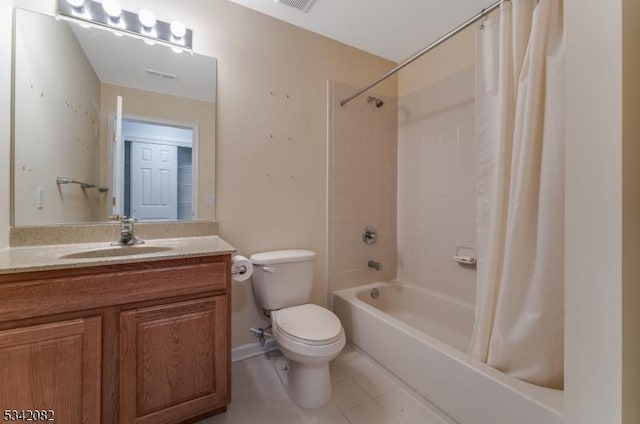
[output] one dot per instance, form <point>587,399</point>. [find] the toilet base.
<point>308,385</point>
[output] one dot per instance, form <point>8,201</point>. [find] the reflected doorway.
<point>158,171</point>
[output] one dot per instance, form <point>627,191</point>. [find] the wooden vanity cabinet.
<point>143,343</point>
<point>51,370</point>
<point>173,360</point>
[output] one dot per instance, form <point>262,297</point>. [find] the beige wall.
<point>5,120</point>
<point>170,109</point>
<point>56,127</point>
<point>272,193</point>
<point>602,208</point>
<point>363,151</point>
<point>631,212</point>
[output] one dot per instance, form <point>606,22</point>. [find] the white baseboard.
<point>250,350</point>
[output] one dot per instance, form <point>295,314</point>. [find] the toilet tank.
<point>282,278</point>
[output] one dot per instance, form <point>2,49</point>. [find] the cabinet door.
<point>173,361</point>
<point>53,367</point>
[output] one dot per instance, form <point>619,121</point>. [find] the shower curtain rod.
<point>427,49</point>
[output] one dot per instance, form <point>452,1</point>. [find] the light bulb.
<point>112,8</point>
<point>147,18</point>
<point>178,29</point>
<point>76,3</point>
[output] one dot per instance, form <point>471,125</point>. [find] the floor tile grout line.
<point>353,366</point>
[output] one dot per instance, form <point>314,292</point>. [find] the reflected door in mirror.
<point>154,182</point>
<point>158,177</point>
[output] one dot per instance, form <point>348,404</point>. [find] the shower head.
<point>375,100</point>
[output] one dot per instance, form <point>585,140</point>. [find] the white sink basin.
<point>115,251</point>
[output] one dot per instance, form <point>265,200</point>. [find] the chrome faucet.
<point>127,235</point>
<point>374,264</point>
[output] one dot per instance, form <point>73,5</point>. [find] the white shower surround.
<point>437,185</point>
<point>412,332</point>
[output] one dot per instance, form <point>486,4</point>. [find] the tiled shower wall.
<point>362,188</point>
<point>437,185</point>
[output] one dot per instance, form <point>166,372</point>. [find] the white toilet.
<point>308,335</point>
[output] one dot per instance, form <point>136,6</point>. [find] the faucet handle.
<point>127,235</point>
<point>127,222</point>
<point>369,235</point>
<point>126,228</point>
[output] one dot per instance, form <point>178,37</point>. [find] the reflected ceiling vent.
<point>303,5</point>
<point>164,76</point>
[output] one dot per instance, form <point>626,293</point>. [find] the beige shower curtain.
<point>519,302</point>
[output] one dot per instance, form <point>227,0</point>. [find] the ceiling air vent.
<point>164,76</point>
<point>303,5</point>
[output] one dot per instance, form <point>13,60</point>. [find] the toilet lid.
<point>308,323</point>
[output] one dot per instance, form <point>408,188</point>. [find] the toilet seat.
<point>307,324</point>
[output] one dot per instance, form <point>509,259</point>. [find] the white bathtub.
<point>421,336</point>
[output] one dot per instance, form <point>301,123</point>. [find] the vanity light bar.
<point>93,13</point>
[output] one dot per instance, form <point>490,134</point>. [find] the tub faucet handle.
<point>369,235</point>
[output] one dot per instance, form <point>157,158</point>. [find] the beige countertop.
<point>47,257</point>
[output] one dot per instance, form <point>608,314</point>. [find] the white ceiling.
<point>123,60</point>
<point>393,29</point>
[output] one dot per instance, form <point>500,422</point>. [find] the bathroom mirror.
<point>76,159</point>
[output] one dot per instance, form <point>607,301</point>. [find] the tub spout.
<point>374,264</point>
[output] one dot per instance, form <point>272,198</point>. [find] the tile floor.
<point>362,394</point>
